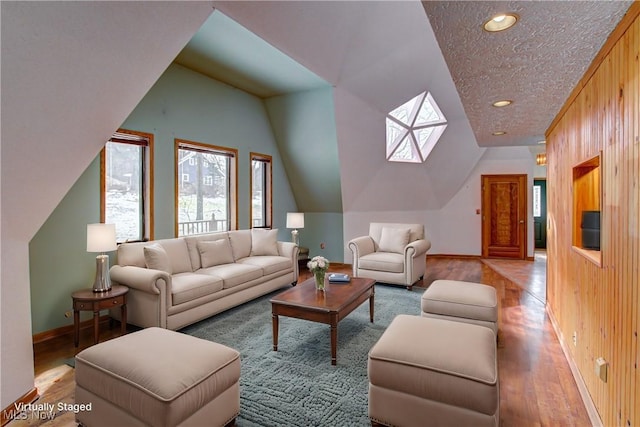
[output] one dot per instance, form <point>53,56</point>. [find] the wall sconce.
<point>541,159</point>
<point>295,220</point>
<point>101,238</point>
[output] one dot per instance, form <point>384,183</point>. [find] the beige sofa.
<point>391,253</point>
<point>180,281</point>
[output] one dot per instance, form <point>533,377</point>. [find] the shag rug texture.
<point>297,385</point>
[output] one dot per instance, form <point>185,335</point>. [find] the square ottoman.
<point>462,302</point>
<point>158,377</point>
<point>426,371</point>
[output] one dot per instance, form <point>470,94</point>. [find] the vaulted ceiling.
<point>361,46</point>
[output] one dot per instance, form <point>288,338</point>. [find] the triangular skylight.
<point>413,129</point>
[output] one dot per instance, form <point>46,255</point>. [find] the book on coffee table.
<point>339,278</point>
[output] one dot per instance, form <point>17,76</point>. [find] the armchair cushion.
<point>394,239</point>
<point>383,261</point>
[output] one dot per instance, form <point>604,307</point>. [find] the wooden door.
<point>504,216</point>
<point>540,213</point>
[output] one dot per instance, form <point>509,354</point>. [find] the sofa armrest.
<point>143,279</point>
<point>291,251</point>
<point>417,248</point>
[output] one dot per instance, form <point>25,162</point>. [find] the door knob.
<point>522,221</point>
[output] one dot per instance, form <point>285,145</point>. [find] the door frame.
<point>543,178</point>
<point>523,217</point>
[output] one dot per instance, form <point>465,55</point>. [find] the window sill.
<point>593,256</point>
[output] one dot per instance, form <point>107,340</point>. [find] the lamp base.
<point>294,237</point>
<point>102,283</point>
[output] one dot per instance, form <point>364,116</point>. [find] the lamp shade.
<point>295,220</point>
<point>101,237</point>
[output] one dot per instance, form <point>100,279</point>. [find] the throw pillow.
<point>264,242</point>
<point>394,239</point>
<point>215,252</point>
<point>156,258</point>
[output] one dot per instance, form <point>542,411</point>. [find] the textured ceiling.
<point>536,63</point>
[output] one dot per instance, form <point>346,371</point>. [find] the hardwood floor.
<point>536,385</point>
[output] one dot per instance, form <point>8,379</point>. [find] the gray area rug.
<point>297,385</point>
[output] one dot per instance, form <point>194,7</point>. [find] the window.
<point>413,129</point>
<point>207,202</point>
<point>126,195</point>
<point>260,205</point>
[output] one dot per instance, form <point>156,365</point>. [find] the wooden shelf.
<point>593,256</point>
<point>586,197</point>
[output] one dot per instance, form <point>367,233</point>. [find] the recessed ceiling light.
<point>500,22</point>
<point>502,103</point>
<point>499,133</point>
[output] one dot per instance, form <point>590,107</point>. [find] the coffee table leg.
<point>334,343</point>
<point>371,300</point>
<point>274,318</point>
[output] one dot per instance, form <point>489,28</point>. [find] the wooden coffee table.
<point>329,306</point>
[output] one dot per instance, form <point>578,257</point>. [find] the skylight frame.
<point>403,130</point>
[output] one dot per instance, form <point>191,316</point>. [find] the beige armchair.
<point>391,253</point>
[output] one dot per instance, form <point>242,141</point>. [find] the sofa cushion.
<point>394,239</point>
<point>156,258</point>
<point>189,286</point>
<point>192,246</point>
<point>240,243</point>
<point>382,261</point>
<point>264,242</point>
<point>268,264</point>
<point>178,254</point>
<point>215,252</point>
<point>233,274</point>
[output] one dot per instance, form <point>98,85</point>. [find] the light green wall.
<point>58,259</point>
<point>187,105</point>
<point>323,228</point>
<point>182,104</point>
<point>304,126</point>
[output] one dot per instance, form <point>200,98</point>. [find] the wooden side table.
<point>87,300</point>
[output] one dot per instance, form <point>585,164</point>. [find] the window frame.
<point>232,153</point>
<point>268,197</point>
<point>147,173</point>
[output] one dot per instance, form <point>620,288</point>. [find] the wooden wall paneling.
<point>601,302</point>
<point>634,140</point>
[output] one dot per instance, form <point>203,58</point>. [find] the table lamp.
<point>101,238</point>
<point>295,220</point>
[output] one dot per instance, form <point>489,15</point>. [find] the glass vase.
<point>319,277</point>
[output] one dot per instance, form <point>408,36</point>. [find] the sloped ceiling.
<point>378,55</point>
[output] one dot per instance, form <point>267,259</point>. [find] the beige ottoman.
<point>426,371</point>
<point>158,377</point>
<point>462,302</point>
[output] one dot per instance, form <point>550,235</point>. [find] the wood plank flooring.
<point>536,385</point>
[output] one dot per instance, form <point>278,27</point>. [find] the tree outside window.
<point>126,196</point>
<point>206,193</point>
<point>261,211</point>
